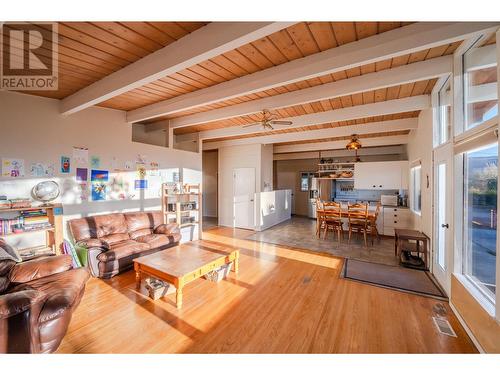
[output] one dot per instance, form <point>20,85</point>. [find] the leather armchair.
<point>37,302</point>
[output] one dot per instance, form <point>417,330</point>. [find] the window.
<point>480,217</point>
<point>444,115</point>
<point>304,182</point>
<point>480,90</point>
<point>415,192</point>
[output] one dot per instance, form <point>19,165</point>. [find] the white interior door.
<point>243,198</point>
<point>443,240</point>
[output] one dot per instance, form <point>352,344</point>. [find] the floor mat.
<point>393,277</point>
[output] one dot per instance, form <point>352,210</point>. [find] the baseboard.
<point>467,330</point>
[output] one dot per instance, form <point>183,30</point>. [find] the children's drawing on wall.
<point>12,167</point>
<point>84,191</point>
<point>141,171</point>
<point>141,184</point>
<point>81,174</point>
<point>80,155</point>
<point>154,168</point>
<point>65,164</point>
<point>99,180</point>
<point>120,187</point>
<point>115,164</point>
<point>140,159</point>
<point>42,170</point>
<point>95,161</point>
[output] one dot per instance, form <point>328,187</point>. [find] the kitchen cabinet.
<point>383,175</point>
<point>395,218</point>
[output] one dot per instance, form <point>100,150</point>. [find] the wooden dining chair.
<point>333,219</point>
<point>320,222</point>
<point>358,220</point>
<point>372,223</point>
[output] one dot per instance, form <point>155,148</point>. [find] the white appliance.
<point>389,200</point>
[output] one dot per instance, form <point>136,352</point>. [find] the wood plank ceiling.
<point>294,42</point>
<point>89,51</point>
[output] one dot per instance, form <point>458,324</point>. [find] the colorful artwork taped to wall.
<point>95,161</point>
<point>65,164</point>
<point>12,167</point>
<point>99,180</point>
<point>141,184</point>
<point>42,170</point>
<point>81,174</point>
<point>80,155</point>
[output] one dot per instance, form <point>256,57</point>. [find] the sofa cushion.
<point>123,249</point>
<point>140,232</point>
<point>143,220</point>
<point>62,290</point>
<point>111,239</point>
<point>97,226</point>
<point>157,240</point>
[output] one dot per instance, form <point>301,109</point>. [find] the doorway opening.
<point>210,171</point>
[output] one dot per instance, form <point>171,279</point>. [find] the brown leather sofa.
<point>115,240</point>
<point>37,300</point>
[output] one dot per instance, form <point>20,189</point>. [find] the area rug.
<point>393,277</point>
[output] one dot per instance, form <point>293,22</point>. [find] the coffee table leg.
<point>137,277</point>
<point>236,264</point>
<point>178,293</point>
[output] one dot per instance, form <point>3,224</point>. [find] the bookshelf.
<point>181,204</point>
<point>53,232</point>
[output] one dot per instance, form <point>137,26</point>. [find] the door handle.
<point>445,226</point>
<point>251,200</point>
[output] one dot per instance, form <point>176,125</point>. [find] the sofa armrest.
<point>93,242</point>
<point>18,302</point>
<point>38,268</point>
<point>167,229</point>
<point>19,313</point>
<point>92,261</point>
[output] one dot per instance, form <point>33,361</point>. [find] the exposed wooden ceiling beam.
<point>404,40</point>
<point>368,128</point>
<point>337,145</point>
<point>413,103</point>
<point>209,41</point>
<point>441,66</point>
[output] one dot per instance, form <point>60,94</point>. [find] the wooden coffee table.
<point>184,263</point>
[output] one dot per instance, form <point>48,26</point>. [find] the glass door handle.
<point>445,226</point>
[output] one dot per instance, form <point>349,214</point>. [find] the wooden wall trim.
<point>483,326</point>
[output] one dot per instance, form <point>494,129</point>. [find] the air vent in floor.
<point>444,327</point>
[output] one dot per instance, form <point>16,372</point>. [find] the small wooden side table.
<point>401,235</point>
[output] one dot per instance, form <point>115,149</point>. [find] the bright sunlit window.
<point>415,189</point>
<point>480,217</point>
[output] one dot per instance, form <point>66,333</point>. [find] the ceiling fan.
<point>267,120</point>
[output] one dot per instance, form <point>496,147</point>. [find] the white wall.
<point>210,170</point>
<point>420,148</point>
<point>267,168</point>
<point>31,128</point>
<point>273,207</point>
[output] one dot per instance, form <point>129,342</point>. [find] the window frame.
<point>461,137</point>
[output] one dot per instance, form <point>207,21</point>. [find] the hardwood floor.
<point>281,301</point>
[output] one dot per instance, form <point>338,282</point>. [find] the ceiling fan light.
<point>354,144</point>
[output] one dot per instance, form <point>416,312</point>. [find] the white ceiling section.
<point>404,40</point>
<point>209,41</point>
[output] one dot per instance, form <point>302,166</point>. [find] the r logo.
<point>29,56</point>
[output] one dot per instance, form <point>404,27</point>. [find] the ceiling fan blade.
<point>276,122</point>
<point>254,124</point>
